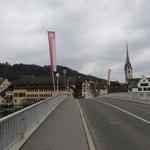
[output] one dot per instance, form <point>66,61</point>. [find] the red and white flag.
<point>52,50</point>
<point>109,74</point>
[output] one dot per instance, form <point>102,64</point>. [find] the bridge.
<point>112,122</point>
<point>54,123</point>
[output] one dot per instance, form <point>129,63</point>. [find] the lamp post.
<point>65,72</point>
<point>67,84</point>
<point>57,76</point>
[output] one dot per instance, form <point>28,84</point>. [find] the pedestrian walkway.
<point>62,130</point>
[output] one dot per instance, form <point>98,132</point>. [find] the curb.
<point>87,132</point>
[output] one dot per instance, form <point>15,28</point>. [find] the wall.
<point>140,95</point>
<point>103,91</point>
<point>4,85</point>
<point>22,96</point>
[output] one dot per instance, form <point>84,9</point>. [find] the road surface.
<point>118,124</point>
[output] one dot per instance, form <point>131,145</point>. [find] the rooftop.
<point>36,82</point>
<point>2,80</point>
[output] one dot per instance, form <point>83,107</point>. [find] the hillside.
<point>16,71</point>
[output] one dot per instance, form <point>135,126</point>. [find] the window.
<point>16,95</point>
<point>145,89</point>
<point>21,94</point>
<point>41,95</point>
<point>144,84</point>
<point>140,89</point>
<point>130,89</point>
<point>84,86</point>
<point>45,95</point>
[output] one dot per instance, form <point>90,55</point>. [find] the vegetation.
<point>16,71</point>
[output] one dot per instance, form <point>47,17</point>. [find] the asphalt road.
<point>118,124</point>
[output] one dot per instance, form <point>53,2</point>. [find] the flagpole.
<point>52,51</point>
<point>53,81</point>
<point>57,77</point>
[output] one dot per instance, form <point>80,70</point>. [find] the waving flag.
<point>52,50</point>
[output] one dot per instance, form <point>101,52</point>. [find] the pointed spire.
<point>127,57</point>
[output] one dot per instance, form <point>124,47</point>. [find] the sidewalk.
<point>62,130</point>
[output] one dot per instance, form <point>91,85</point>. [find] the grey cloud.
<point>89,34</point>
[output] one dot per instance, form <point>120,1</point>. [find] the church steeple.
<point>128,66</point>
<point>127,57</point>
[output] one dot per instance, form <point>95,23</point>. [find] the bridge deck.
<point>62,130</point>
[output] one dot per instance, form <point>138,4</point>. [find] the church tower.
<point>128,67</point>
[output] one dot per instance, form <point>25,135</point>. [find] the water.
<point>7,111</point>
<point>4,113</point>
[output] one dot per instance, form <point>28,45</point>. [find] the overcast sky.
<point>91,35</point>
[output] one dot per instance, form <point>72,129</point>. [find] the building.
<point>128,67</point>
<point>139,84</point>
<point>116,86</point>
<point>139,88</point>
<point>8,98</point>
<point>103,91</point>
<point>4,84</point>
<point>86,90</point>
<point>33,89</point>
<point>1,100</point>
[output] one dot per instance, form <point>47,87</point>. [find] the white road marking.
<point>87,132</point>
<point>146,121</point>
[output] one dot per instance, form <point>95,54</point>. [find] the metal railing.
<point>14,127</point>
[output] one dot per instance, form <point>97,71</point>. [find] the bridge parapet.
<point>16,128</point>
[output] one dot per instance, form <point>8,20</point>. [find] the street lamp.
<point>65,72</point>
<point>67,84</point>
<point>57,77</point>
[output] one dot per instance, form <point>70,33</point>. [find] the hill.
<point>17,71</point>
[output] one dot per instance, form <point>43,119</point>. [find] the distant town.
<point>22,85</point>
